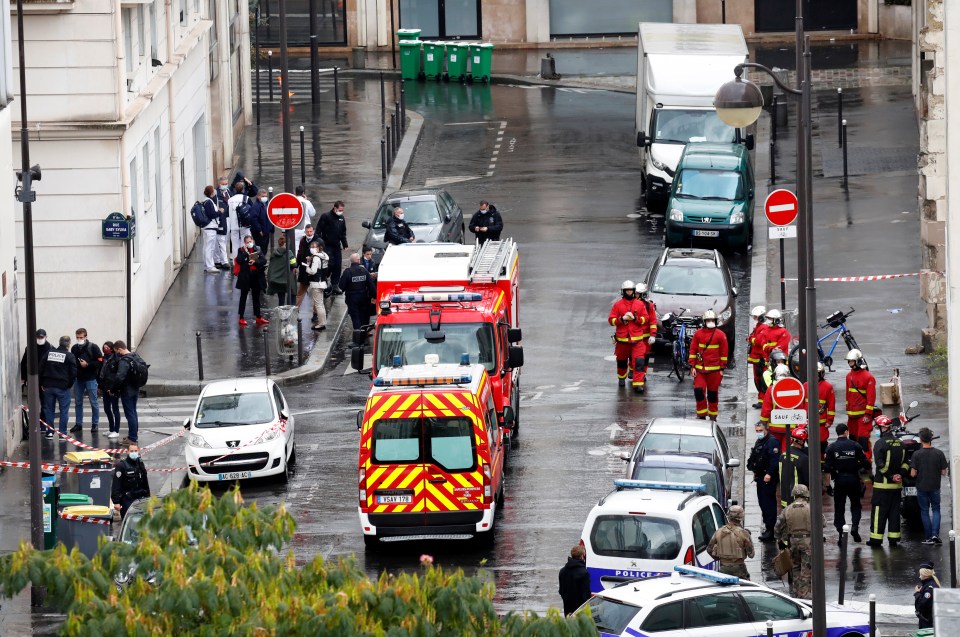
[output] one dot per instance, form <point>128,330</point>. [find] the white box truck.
<point>679,69</point>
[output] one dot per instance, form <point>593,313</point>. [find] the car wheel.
<point>500,496</point>
<point>485,539</point>
<point>285,474</point>
<point>292,460</point>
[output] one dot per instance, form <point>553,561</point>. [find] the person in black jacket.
<point>107,378</point>
<point>250,278</point>
<point>360,291</point>
<point>333,230</point>
<point>764,463</point>
<point>127,390</point>
<point>844,460</point>
<point>42,348</point>
<point>397,229</point>
<point>260,226</point>
<point>574,580</point>
<point>794,467</point>
<point>923,595</point>
<point>58,371</point>
<point>129,481</point>
<point>486,223</point>
<point>89,359</point>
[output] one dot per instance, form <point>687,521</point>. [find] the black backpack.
<point>139,371</point>
<point>108,373</point>
<point>243,212</point>
<point>199,215</point>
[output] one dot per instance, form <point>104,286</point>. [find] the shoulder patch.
<point>119,474</point>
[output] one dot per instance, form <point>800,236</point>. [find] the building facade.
<point>11,341</point>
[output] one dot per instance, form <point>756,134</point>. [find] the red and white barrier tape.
<point>49,466</point>
<point>860,279</point>
<point>115,451</point>
<point>281,426</point>
<point>86,518</point>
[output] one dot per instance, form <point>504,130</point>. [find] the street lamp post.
<point>738,104</point>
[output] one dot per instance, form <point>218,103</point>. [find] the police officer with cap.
<point>359,290</point>
<point>923,595</point>
<point>844,460</point>
<point>731,544</point>
<point>129,481</point>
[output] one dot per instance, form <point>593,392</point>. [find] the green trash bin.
<point>410,59</point>
<point>73,500</point>
<point>51,491</point>
<point>457,56</point>
<point>923,632</point>
<point>408,34</point>
<point>481,59</point>
<point>84,534</point>
<point>433,60</point>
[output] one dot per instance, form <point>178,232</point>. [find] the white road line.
<point>494,158</point>
<point>465,123</point>
<point>490,173</point>
<point>503,125</point>
<point>496,152</point>
<point>496,145</point>
<point>491,166</point>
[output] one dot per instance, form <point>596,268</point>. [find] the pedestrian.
<point>575,580</point>
<point>708,359</point>
<point>250,279</point>
<point>764,462</point>
<point>317,266</point>
<point>794,465</point>
<point>89,359</point>
<point>222,200</point>
<point>129,481</point>
<point>827,407</point>
<point>890,460</point>
<point>58,371</point>
<point>647,340</point>
<point>755,343</point>
<point>212,260</point>
<point>629,317</point>
<point>486,223</point>
<point>844,461</point>
<point>359,291</point>
<point>792,531</point>
<point>279,273</point>
<point>923,595</point>
<point>42,348</point>
<point>130,377</point>
<point>107,381</point>
<point>303,251</point>
<point>769,404</point>
<point>260,227</point>
<point>309,214</point>
<point>928,465</point>
<point>367,262</point>
<point>861,398</point>
<point>775,335</point>
<point>398,231</point>
<point>333,230</point>
<point>240,209</point>
<point>731,544</point>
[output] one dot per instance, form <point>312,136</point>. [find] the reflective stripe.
<point>752,360</point>
<point>613,320</point>
<point>887,485</point>
<point>856,413</point>
<point>717,346</point>
<point>859,391</point>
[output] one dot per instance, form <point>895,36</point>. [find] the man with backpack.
<point>131,375</point>
<point>241,214</point>
<point>206,215</point>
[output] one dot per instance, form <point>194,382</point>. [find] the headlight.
<point>725,315</point>
<point>196,440</point>
<point>736,217</point>
<point>270,435</point>
<point>658,164</point>
<point>676,215</point>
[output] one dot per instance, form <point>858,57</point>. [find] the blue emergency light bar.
<point>661,486</point>
<point>702,573</point>
<point>436,297</point>
<point>464,379</point>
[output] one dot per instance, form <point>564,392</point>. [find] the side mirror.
<point>447,217</point>
<point>734,290</point>
<point>359,337</point>
<point>356,358</point>
<point>914,404</point>
<point>625,456</point>
<point>186,423</point>
<point>359,420</point>
<point>733,462</point>
<point>284,414</point>
<point>514,334</point>
<point>365,224</point>
<point>807,614</point>
<point>515,357</point>
<point>750,142</point>
<point>641,139</point>
<point>509,415</point>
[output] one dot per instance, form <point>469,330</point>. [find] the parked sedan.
<point>431,213</point>
<point>689,467</point>
<point>679,436</point>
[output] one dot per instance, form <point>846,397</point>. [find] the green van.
<point>711,198</point>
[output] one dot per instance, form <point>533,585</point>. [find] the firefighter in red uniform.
<point>828,406</point>
<point>861,400</point>
<point>769,404</point>
<point>629,316</point>
<point>649,335</point>
<point>755,343</point>
<point>708,359</point>
<point>775,335</point>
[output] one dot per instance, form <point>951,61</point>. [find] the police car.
<point>695,602</point>
<point>643,529</point>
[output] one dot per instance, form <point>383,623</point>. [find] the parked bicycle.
<point>838,322</point>
<point>681,330</point>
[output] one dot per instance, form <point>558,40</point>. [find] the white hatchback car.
<point>240,429</point>
<point>643,529</point>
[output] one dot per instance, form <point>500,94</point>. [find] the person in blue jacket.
<point>764,462</point>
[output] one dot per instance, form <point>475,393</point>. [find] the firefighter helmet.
<point>758,312</point>
<point>641,288</point>
<point>884,422</point>
<point>856,357</point>
<point>774,314</point>
<point>709,315</point>
<point>628,285</point>
<point>821,369</point>
<point>800,433</point>
<point>777,356</point>
<point>781,371</point>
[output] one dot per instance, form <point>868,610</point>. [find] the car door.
<point>704,526</point>
<point>455,226</point>
<point>788,617</point>
<point>716,615</point>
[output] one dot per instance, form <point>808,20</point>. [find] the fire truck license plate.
<point>909,491</point>
<point>394,499</point>
<point>706,233</point>
<point>236,475</point>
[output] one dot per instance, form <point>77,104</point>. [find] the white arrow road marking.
<point>614,429</point>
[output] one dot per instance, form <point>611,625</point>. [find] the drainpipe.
<point>121,62</point>
<point>176,214</point>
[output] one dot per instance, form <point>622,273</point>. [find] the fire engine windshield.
<point>409,343</point>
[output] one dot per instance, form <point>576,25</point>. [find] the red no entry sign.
<point>285,211</point>
<point>781,207</point>
<point>788,393</point>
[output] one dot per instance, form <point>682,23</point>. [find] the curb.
<point>500,78</point>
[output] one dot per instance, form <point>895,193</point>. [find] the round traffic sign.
<point>781,207</point>
<point>787,393</point>
<point>285,211</point>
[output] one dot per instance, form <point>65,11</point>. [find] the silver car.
<point>431,213</point>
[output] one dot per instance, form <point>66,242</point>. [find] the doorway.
<point>442,19</point>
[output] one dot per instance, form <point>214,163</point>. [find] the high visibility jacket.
<point>796,471</point>
<point>708,350</point>
<point>769,404</point>
<point>890,459</point>
<point>629,331</point>
<point>756,342</point>
<point>775,337</point>
<point>828,402</point>
<point>651,326</point>
<point>861,393</point>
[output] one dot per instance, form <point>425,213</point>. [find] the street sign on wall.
<point>117,227</point>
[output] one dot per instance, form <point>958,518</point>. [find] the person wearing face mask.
<point>317,266</point>
<point>775,335</point>
<point>303,251</point>
<point>333,231</point>
<point>486,223</point>
<point>129,481</point>
<point>778,431</point>
<point>629,318</point>
<point>708,359</point>
<point>58,371</point>
<point>398,231</point>
<point>89,359</point>
<point>107,381</point>
<point>282,263</point>
<point>309,214</point>
<point>221,199</point>
<point>250,278</point>
<point>360,291</point>
<point>260,227</point>
<point>764,462</point>
<point>42,348</point>
<point>844,462</point>
<point>890,461</point>
<point>861,399</point>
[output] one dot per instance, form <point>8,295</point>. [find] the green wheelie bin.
<point>410,59</point>
<point>481,59</point>
<point>51,493</point>
<point>433,60</point>
<point>457,55</point>
<point>408,34</point>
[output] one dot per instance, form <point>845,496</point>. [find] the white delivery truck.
<point>679,69</point>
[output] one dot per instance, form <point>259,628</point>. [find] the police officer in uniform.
<point>731,544</point>
<point>844,460</point>
<point>923,595</point>
<point>792,531</point>
<point>129,481</point>
<point>764,462</point>
<point>398,231</point>
<point>890,460</point>
<point>486,223</point>
<point>793,465</point>
<point>359,290</point>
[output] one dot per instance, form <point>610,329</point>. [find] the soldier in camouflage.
<point>731,544</point>
<point>793,530</point>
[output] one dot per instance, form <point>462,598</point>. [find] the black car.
<point>431,213</point>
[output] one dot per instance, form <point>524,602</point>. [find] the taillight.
<point>363,487</point>
<point>688,557</point>
<point>487,489</point>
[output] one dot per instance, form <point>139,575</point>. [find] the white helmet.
<point>820,368</point>
<point>758,311</point>
<point>709,315</point>
<point>642,288</point>
<point>774,314</point>
<point>854,355</point>
<point>628,285</point>
<point>781,371</point>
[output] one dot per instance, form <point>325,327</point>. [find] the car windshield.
<point>705,477</point>
<point>672,442</point>
<point>415,213</point>
<point>635,536</point>
<point>698,183</point>
<point>234,409</point>
<point>682,126</point>
<point>129,533</point>
<point>674,279</point>
<point>409,343</point>
<point>611,616</point>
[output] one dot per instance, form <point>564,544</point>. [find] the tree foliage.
<point>235,577</point>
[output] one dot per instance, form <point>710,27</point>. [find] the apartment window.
<point>214,41</point>
<point>141,32</point>
<point>134,204</point>
<point>148,197</point>
<point>127,17</point>
<point>159,196</point>
<point>182,4</point>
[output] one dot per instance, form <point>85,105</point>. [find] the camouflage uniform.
<point>793,529</point>
<point>731,544</point>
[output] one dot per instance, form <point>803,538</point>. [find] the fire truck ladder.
<point>489,261</point>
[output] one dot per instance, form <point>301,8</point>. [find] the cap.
<point>927,565</point>
<point>41,333</point>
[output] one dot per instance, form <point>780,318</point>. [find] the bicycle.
<point>837,321</point>
<point>681,329</point>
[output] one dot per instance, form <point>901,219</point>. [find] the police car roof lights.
<point>436,297</point>
<point>661,486</point>
<point>464,379</point>
<point>710,576</point>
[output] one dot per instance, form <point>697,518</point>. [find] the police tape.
<point>114,451</point>
<point>86,518</point>
<point>281,426</point>
<point>49,466</point>
<point>860,279</point>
